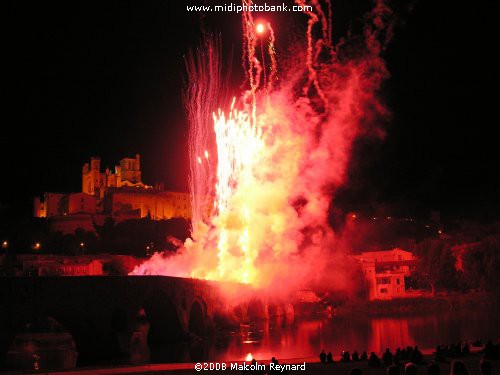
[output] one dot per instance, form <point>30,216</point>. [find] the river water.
<point>305,339</point>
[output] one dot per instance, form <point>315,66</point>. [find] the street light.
<point>5,244</point>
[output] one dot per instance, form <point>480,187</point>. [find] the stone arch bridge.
<point>101,313</point>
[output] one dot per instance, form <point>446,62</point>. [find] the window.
<point>383,290</point>
<point>383,280</point>
<point>398,281</point>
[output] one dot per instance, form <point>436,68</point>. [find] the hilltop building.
<point>385,272</point>
<point>119,194</point>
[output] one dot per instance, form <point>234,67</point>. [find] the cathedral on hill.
<point>119,194</point>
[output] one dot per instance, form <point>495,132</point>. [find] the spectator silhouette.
<point>387,357</point>
<point>433,369</point>
<point>397,356</point>
<point>374,360</point>
<point>439,354</point>
<point>485,367</point>
<point>491,351</point>
<point>466,349</point>
<point>409,352</point>
<point>411,369</point>
<point>329,357</point>
<point>346,356</point>
<point>417,356</point>
<point>322,356</point>
<point>364,356</point>
<point>393,370</point>
<point>355,356</point>
<point>458,368</point>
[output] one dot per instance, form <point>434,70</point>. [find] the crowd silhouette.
<point>406,361</point>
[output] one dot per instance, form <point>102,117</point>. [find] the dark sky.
<point>105,78</point>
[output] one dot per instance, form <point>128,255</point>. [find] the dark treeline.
<point>444,265</point>
<point>138,237</point>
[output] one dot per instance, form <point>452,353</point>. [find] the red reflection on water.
<point>389,333</point>
<point>305,339</point>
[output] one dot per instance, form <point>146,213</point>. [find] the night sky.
<point>105,78</point>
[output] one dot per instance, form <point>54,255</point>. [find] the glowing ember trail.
<point>264,173</point>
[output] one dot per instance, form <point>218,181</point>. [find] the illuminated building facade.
<point>154,203</point>
<point>119,194</point>
<point>95,183</point>
<point>385,272</point>
<point>60,265</point>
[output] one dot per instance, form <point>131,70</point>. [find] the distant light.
<point>260,28</point>
<point>199,160</point>
<point>440,231</point>
<point>354,216</point>
<point>249,357</point>
<point>389,218</point>
<point>5,244</point>
<point>374,218</point>
<point>206,154</point>
<point>82,244</point>
<point>37,246</point>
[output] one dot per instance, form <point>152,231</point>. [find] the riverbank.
<point>312,366</point>
<point>421,304</point>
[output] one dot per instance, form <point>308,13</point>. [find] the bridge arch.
<point>197,318</point>
<point>164,322</point>
<point>87,333</point>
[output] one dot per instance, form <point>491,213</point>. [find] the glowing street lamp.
<point>37,246</point>
<point>5,244</point>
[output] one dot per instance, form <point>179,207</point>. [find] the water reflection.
<point>305,339</point>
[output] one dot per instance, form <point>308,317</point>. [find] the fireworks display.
<point>265,167</point>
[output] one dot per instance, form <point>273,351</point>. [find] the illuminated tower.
<point>131,169</point>
<point>91,182</point>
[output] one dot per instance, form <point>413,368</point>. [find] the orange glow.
<point>249,357</point>
<point>260,28</point>
<point>238,145</point>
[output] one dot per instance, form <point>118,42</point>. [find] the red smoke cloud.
<point>280,159</point>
